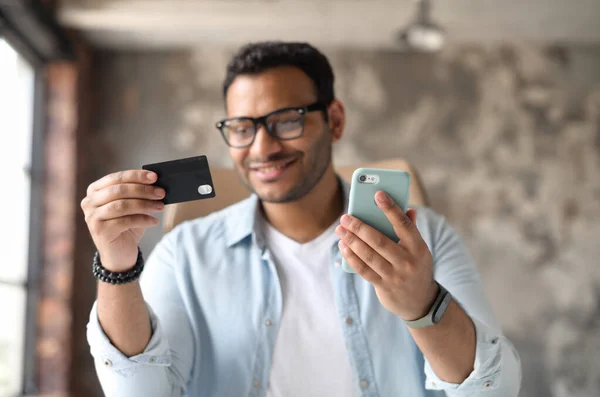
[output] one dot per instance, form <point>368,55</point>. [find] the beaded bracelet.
<point>117,278</point>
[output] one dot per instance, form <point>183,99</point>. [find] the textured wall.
<point>507,140</point>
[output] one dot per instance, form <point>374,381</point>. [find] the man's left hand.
<point>402,273</point>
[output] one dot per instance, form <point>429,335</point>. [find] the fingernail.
<point>151,176</point>
<point>159,205</point>
<point>341,232</point>
<point>382,197</point>
<point>342,245</point>
<point>345,220</point>
<point>159,192</point>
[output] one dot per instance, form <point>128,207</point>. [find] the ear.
<point>337,119</point>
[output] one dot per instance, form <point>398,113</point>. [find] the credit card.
<point>184,179</point>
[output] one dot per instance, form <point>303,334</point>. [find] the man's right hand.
<point>117,211</point>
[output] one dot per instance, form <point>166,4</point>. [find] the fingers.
<point>117,209</point>
<point>130,176</point>
<point>404,227</point>
<point>371,258</point>
<point>359,266</point>
<point>125,207</point>
<point>113,228</point>
<point>412,215</point>
<point>125,191</point>
<point>388,249</point>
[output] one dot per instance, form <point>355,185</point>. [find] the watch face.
<point>441,309</point>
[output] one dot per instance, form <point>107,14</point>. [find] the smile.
<point>272,170</point>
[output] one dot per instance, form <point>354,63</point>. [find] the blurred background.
<point>496,104</point>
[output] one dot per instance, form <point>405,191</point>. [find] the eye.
<point>242,130</point>
<point>289,125</point>
<point>293,121</point>
<point>239,128</point>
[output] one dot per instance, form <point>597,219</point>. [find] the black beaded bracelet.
<point>117,278</point>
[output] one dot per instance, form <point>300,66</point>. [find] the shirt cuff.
<point>486,372</point>
<point>108,356</point>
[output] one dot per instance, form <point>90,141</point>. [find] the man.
<point>249,301</point>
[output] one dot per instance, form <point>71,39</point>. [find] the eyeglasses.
<point>283,124</point>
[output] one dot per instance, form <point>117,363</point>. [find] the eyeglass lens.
<point>283,125</point>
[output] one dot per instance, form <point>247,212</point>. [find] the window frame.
<point>40,41</point>
<point>36,217</point>
<point>36,230</point>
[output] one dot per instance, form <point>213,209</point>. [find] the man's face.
<point>279,171</point>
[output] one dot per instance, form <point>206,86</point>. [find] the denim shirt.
<point>215,303</point>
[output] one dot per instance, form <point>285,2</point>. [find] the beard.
<point>314,163</point>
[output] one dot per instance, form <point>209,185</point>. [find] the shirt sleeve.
<point>164,367</point>
<point>497,367</point>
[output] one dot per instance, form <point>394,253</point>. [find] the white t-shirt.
<point>310,358</point>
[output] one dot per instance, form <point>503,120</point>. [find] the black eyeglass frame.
<point>257,121</point>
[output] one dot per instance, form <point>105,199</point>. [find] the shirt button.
<point>152,360</point>
<point>488,384</point>
<point>348,321</point>
<point>268,323</point>
<point>364,384</point>
<point>256,383</point>
<point>108,363</point>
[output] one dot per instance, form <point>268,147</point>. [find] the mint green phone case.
<point>362,204</point>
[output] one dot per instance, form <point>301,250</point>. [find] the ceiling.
<point>347,23</point>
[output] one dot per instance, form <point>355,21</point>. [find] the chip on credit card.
<point>184,180</point>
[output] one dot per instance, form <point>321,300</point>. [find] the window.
<point>17,82</point>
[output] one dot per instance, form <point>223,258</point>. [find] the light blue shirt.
<point>215,302</point>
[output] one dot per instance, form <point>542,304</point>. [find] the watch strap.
<point>435,314</point>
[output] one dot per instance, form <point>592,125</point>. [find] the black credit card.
<point>184,179</point>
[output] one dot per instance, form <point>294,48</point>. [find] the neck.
<point>305,219</point>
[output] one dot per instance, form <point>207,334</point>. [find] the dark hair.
<point>258,57</point>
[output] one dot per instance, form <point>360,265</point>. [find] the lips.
<point>272,165</point>
<point>272,170</point>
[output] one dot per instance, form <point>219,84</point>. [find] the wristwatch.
<point>436,312</point>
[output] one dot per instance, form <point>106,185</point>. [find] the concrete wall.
<point>507,140</point>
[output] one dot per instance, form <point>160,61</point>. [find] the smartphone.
<point>365,183</point>
<point>184,180</point>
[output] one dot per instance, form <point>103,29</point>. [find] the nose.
<point>264,144</point>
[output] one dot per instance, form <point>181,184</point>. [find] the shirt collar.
<point>242,221</point>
